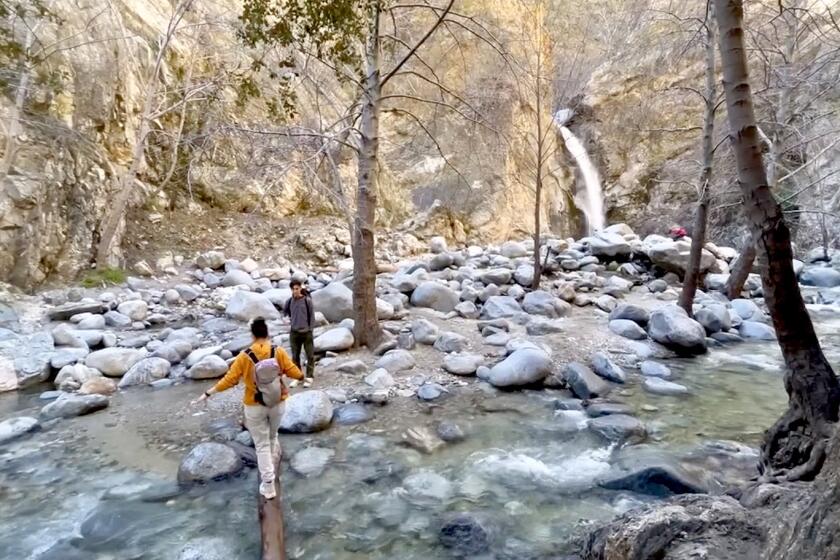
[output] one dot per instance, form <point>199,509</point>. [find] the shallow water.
<point>528,471</point>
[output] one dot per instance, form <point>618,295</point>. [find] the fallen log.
<point>271,522</point>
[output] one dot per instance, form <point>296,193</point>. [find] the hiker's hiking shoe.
<point>267,490</point>
<point>293,383</point>
<point>307,383</point>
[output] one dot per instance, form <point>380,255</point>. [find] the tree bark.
<point>741,269</point>
<point>366,328</point>
<point>698,236</point>
<point>794,448</point>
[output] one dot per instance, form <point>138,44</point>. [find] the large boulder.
<point>278,296</point>
<point>673,256</point>
<point>753,330</point>
<point>524,275</point>
<point>543,303</point>
<point>745,309</point>
<point>451,342</point>
<point>211,259</point>
<point>135,309</point>
<point>608,244</point>
<point>207,462</point>
<point>424,331</point>
<point>583,382</point>
<point>497,276</point>
<point>69,405</point>
<point>310,411</point>
<point>396,360</point>
<point>513,250</point>
<point>114,362</point>
<point>335,301</point>
<point>145,372</point>
<point>208,367</point>
<point>498,307</point>
<point>822,277</point>
<point>334,340</point>
<point>245,306</point>
<point>672,327</point>
<point>462,364</point>
<point>525,366</point>
<point>237,277</point>
<point>435,296</point>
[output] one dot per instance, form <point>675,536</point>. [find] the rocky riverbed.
<point>493,420</point>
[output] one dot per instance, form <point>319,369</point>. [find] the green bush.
<point>105,276</point>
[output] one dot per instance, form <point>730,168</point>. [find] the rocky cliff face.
<point>83,107</point>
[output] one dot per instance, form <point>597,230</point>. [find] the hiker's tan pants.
<point>262,422</point>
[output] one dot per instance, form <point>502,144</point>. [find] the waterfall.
<point>592,204</point>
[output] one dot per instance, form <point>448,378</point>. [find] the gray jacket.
<point>301,312</point>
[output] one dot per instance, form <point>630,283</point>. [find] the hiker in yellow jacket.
<point>261,418</point>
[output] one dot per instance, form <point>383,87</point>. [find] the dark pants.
<point>305,340</point>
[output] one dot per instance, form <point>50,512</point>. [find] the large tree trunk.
<point>698,236</point>
<point>366,328</point>
<point>795,446</point>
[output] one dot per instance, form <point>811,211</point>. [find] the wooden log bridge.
<point>271,522</point>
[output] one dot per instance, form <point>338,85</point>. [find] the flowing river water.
<point>526,469</point>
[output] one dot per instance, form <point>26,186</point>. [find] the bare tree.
<point>698,235</point>
<point>795,447</point>
<point>115,215</point>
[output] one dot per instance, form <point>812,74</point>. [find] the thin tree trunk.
<point>366,328</point>
<point>794,447</point>
<point>698,236</point>
<point>741,269</point>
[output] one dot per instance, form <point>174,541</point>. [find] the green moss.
<point>105,276</point>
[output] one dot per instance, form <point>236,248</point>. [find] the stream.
<point>526,471</point>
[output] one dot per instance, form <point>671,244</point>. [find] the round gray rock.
<point>523,367</point>
<point>207,462</point>
<point>310,411</point>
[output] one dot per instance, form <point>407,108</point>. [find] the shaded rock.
<point>710,320</point>
<point>822,277</point>
<point>464,534</point>
<point>211,259</point>
<point>604,367</point>
<point>435,296</point>
<point>583,382</point>
<point>335,301</point>
<point>626,311</point>
<point>135,309</point>
<point>543,303</point>
<point>618,427</point>
<point>430,391</point>
<point>309,411</point>
<point>671,327</point>
<point>673,256</point>
<point>745,308</point>
<point>467,310</point>
<point>437,245</point>
<point>450,432</point>
<point>245,306</point>
<point>654,480</point>
<point>69,406</point>
<point>114,362</point>
<point>421,439</point>
<point>64,312</point>
<point>606,244</point>
<point>68,356</point>
<point>524,275</point>
<point>659,386</point>
<point>207,462</point>
<point>627,329</point>
<point>606,303</point>
<point>497,276</point>
<point>145,372</point>
<point>596,410</point>
<point>539,326</point>
<point>523,367</point>
<point>727,337</point>
<point>117,319</point>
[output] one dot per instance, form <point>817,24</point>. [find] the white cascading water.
<point>592,205</point>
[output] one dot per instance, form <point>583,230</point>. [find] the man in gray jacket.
<point>300,310</point>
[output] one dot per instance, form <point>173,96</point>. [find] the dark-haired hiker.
<point>301,312</point>
<point>264,391</point>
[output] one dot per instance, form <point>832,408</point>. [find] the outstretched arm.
<point>230,379</point>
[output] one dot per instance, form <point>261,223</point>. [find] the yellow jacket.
<point>242,368</point>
